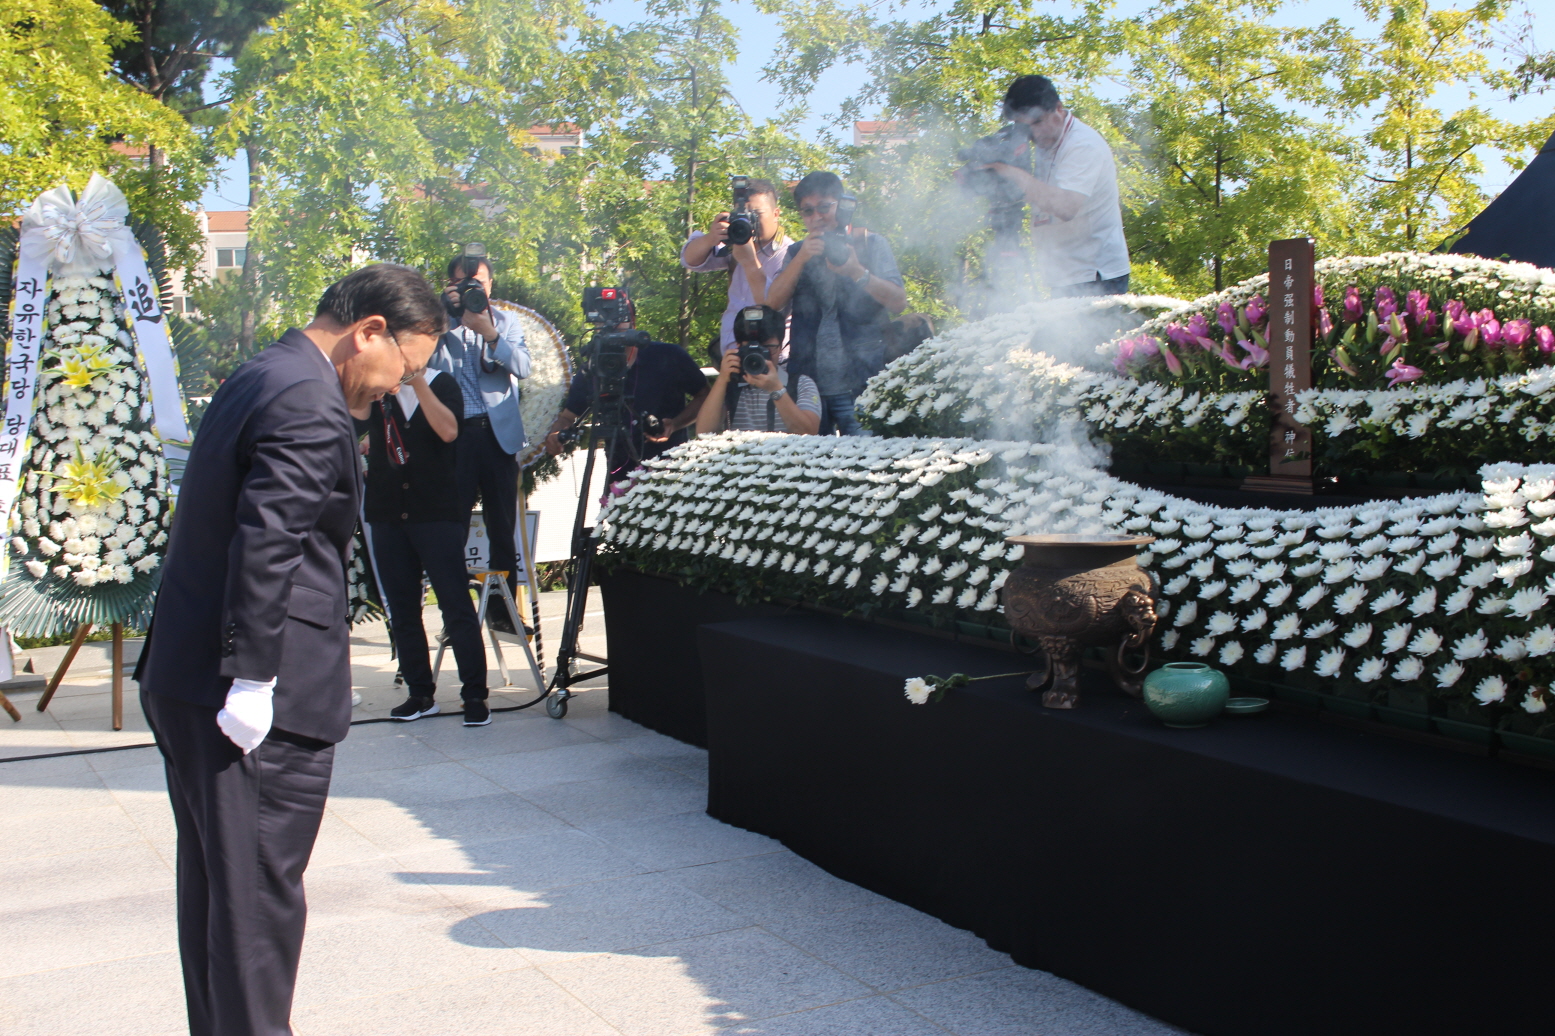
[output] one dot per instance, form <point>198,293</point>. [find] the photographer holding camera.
<point>844,286</point>
<point>1076,218</point>
<point>660,377</point>
<point>754,391</point>
<point>748,241</point>
<point>484,352</point>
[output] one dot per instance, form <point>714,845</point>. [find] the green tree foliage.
<point>63,112</point>
<point>1229,127</point>
<point>1421,176</point>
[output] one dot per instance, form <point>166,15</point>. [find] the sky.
<point>760,101</point>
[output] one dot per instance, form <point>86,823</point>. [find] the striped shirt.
<point>750,409</point>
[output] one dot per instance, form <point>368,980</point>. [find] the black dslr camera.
<point>838,241</point>
<point>742,224</point>
<point>468,293</point>
<point>1009,144</point>
<point>754,326</point>
<point>604,359</point>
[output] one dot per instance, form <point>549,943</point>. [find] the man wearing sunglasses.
<point>840,312</point>
<point>416,525</point>
<point>245,677</point>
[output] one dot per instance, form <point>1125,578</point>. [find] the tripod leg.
<point>534,667</point>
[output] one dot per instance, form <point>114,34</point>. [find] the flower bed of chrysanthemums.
<point>1443,596</point>
<point>1408,350</point>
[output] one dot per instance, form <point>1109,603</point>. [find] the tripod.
<point>611,428</point>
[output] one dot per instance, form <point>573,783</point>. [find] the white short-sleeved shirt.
<point>1091,245</point>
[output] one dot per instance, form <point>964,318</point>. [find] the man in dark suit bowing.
<point>245,676</point>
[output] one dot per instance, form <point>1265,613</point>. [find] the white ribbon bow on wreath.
<point>82,235</point>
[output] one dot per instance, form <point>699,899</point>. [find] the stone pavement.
<point>531,877</point>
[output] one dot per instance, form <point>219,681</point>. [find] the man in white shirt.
<point>752,265</point>
<point>1076,220</point>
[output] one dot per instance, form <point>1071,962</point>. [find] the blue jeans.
<point>1110,286</point>
<point>837,416</point>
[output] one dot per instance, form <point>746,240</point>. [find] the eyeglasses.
<point>411,373</point>
<point>824,209</point>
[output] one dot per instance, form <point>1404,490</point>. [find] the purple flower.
<point>1545,337</point>
<point>1489,328</point>
<point>1173,364</point>
<point>1178,335</point>
<point>1317,296</point>
<point>1149,346</point>
<point>1401,372</point>
<point>1256,357</point>
<point>1352,305</point>
<point>1515,333</point>
<point>1385,302</point>
<point>1325,323</point>
<point>1198,327</point>
<point>1226,317</point>
<point>1255,310</point>
<point>1417,305</point>
<point>1462,321</point>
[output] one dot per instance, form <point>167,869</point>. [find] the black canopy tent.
<point>1520,224</point>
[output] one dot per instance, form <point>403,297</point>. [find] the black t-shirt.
<point>661,381</point>
<point>426,487</point>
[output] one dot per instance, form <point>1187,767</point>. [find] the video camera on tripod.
<point>604,358</point>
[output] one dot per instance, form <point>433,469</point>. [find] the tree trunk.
<point>248,325</point>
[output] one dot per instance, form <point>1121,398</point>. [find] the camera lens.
<point>836,248</point>
<point>740,230</point>
<point>473,297</point>
<point>753,362</point>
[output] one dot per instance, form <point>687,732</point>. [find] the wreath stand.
<point>70,656</point>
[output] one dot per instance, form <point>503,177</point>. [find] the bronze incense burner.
<point>1073,592</point>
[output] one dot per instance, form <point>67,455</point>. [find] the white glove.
<point>249,713</point>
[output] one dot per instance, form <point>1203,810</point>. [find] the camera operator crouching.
<point>844,286</point>
<point>754,391</point>
<point>665,388</point>
<point>485,353</point>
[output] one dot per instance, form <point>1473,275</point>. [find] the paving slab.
<point>535,876</point>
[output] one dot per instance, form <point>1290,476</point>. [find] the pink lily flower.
<point>1173,364</point>
<point>1416,305</point>
<point>1325,323</point>
<point>1385,302</point>
<point>1401,372</point>
<point>1352,305</point>
<point>1546,339</point>
<point>1255,310</point>
<point>1515,333</point>
<point>1256,357</point>
<point>1179,335</point>
<point>1463,321</point>
<point>1489,329</point>
<point>1225,316</point>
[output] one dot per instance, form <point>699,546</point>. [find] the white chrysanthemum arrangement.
<point>94,504</point>
<point>550,374</point>
<point>1445,594</point>
<point>994,377</point>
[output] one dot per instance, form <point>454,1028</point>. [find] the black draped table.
<point>1267,875</point>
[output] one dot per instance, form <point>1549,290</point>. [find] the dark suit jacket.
<point>253,585</point>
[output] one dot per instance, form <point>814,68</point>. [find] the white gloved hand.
<point>249,713</point>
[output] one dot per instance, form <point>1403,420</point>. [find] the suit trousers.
<point>246,827</point>
<point>404,550</point>
<point>486,468</point>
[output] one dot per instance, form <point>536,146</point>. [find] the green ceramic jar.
<point>1186,694</point>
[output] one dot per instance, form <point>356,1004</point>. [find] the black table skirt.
<point>1265,876</point>
<point>655,673</point>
